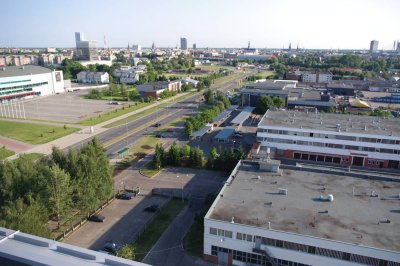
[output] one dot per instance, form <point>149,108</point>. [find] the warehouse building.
<point>28,81</point>
<point>265,215</point>
<point>350,140</point>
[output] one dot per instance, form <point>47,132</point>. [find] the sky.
<point>312,24</point>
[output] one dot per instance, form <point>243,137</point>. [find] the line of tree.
<point>218,159</point>
<point>266,102</point>
<point>32,192</point>
<point>218,103</point>
<point>127,93</point>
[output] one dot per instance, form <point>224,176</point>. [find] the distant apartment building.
<point>183,44</point>
<point>20,82</point>
<point>93,77</point>
<point>85,50</point>
<point>316,77</point>
<point>153,89</point>
<point>351,140</point>
<point>373,47</point>
<point>194,46</point>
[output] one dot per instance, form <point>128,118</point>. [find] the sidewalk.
<point>85,134</point>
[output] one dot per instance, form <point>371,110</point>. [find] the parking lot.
<point>69,107</point>
<point>126,218</point>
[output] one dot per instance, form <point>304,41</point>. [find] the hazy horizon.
<point>311,24</point>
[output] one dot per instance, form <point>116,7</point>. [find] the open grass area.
<point>157,227</point>
<point>34,156</point>
<point>158,108</point>
<point>4,153</point>
<point>113,114</point>
<point>33,133</point>
<point>145,145</point>
<point>149,171</point>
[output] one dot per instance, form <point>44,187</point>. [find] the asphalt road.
<point>173,112</point>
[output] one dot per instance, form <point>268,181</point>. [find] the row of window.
<point>252,258</point>
<point>15,91</point>
<point>304,248</point>
<point>329,136</point>
<point>329,145</point>
<point>24,86</point>
<point>17,81</point>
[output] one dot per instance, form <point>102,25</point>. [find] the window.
<point>244,237</point>
<point>213,231</point>
<point>224,233</point>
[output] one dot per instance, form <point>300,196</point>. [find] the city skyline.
<point>225,24</point>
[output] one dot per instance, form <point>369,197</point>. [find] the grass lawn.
<point>148,170</point>
<point>157,227</point>
<point>110,115</point>
<point>159,107</point>
<point>4,153</point>
<point>34,156</point>
<point>145,145</point>
<point>33,133</point>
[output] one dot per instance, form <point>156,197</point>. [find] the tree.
<point>173,155</point>
<point>330,109</point>
<point>278,102</point>
<point>188,128</point>
<point>127,252</point>
<point>133,94</point>
<point>59,191</point>
<point>263,104</point>
<point>208,96</point>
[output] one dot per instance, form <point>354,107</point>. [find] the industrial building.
<point>351,140</point>
<point>267,214</point>
<point>17,248</point>
<point>21,82</point>
<point>153,89</point>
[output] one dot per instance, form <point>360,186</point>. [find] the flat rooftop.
<point>328,122</point>
<point>15,71</point>
<point>357,218</point>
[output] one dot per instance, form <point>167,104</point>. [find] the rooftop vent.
<point>282,191</point>
<point>233,220</point>
<point>329,198</point>
<point>365,128</point>
<point>3,69</point>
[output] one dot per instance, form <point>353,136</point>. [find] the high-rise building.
<point>183,44</point>
<point>194,46</point>
<point>85,50</point>
<point>398,46</point>
<point>373,46</point>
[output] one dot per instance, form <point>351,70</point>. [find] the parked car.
<point>160,136</point>
<point>111,248</point>
<point>114,103</point>
<point>157,125</point>
<point>125,196</point>
<point>152,208</point>
<point>97,218</point>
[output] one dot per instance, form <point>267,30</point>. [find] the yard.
<point>33,133</point>
<point>157,227</point>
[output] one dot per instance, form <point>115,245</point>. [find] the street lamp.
<point>182,187</point>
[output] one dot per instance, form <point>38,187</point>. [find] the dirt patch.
<point>146,147</point>
<point>139,155</point>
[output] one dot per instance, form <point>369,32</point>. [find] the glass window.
<point>213,231</point>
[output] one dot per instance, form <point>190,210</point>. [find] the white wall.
<point>286,254</point>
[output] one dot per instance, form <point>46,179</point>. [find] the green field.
<point>157,227</point>
<point>113,114</point>
<point>33,133</point>
<point>4,153</point>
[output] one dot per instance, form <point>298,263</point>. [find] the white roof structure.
<point>19,248</point>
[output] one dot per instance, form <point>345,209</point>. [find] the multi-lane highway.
<point>128,133</point>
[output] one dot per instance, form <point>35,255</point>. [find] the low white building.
<point>93,77</point>
<point>28,81</point>
<point>355,140</point>
<point>188,80</point>
<point>266,215</point>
